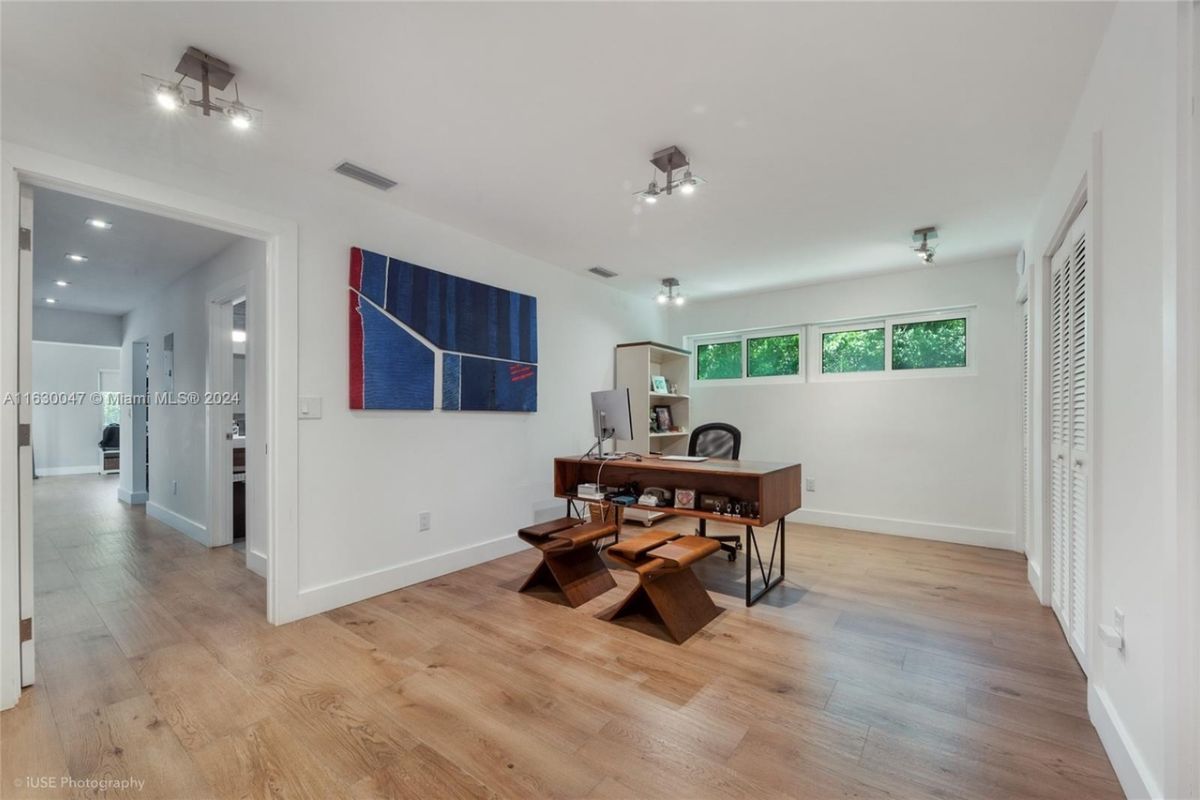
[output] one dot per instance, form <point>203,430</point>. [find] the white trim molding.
<point>82,469</point>
<point>935,531</point>
<point>1135,776</point>
<point>131,498</point>
<point>353,588</point>
<point>184,525</point>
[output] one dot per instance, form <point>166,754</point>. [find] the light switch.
<point>310,408</point>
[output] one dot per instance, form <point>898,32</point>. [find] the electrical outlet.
<point>810,484</point>
<point>174,487</point>
<point>424,521</point>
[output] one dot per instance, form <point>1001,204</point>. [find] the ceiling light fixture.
<point>669,161</point>
<point>76,257</point>
<point>170,97</point>
<point>669,293</point>
<point>211,73</point>
<point>51,300</point>
<point>62,283</point>
<point>925,242</point>
<point>101,224</point>
<point>239,336</point>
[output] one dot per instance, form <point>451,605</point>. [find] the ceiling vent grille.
<point>364,175</point>
<point>602,272</point>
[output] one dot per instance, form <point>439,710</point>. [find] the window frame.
<point>741,337</point>
<point>815,356</point>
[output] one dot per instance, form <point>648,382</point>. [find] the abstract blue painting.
<point>403,316</point>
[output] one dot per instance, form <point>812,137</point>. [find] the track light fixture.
<point>669,160</point>
<point>924,243</point>
<point>210,73</point>
<point>669,294</point>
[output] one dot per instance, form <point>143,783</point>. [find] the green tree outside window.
<point>112,409</point>
<point>852,351</point>
<point>930,345</point>
<point>773,355</point>
<point>719,360</point>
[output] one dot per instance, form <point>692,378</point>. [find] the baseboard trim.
<point>256,563</point>
<point>52,472</point>
<point>1033,572</point>
<point>937,531</point>
<point>179,522</point>
<point>132,498</point>
<point>359,587</point>
<point>1135,777</point>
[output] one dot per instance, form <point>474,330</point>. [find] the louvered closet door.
<point>1069,469</point>
<point>1026,431</point>
<point>1058,436</point>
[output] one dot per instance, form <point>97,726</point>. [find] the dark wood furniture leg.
<point>579,574</point>
<point>769,582</point>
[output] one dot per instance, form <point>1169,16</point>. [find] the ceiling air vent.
<point>602,272</point>
<point>364,175</point>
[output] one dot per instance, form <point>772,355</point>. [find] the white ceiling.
<point>827,131</point>
<point>126,265</point>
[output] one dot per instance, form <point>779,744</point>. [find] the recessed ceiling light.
<point>62,283</point>
<point>51,300</point>
<point>76,257</point>
<point>103,225</point>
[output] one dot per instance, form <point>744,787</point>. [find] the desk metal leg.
<point>766,572</point>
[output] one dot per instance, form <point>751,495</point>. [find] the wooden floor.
<point>884,667</point>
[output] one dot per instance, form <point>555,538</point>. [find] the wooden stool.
<point>570,563</point>
<point>667,588</point>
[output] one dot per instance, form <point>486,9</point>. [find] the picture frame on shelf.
<point>662,419</point>
<point>659,385</point>
<point>685,498</point>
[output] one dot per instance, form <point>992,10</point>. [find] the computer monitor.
<point>611,417</point>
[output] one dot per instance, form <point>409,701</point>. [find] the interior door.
<point>25,434</point>
<point>1069,448</point>
<point>1026,430</point>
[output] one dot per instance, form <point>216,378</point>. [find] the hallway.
<point>128,612</point>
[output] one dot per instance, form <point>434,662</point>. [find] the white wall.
<point>364,476</point>
<point>76,327</point>
<point>1123,139</point>
<point>935,457</point>
<point>178,432</point>
<point>65,435</point>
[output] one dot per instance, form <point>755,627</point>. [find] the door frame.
<point>219,378</point>
<point>19,165</point>
<point>1085,201</point>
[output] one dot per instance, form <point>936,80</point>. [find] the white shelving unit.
<point>636,364</point>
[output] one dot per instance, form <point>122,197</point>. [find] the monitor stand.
<point>600,449</point>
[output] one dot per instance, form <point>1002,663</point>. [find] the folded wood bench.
<point>570,562</point>
<point>667,588</point>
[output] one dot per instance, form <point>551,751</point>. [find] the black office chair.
<point>718,440</point>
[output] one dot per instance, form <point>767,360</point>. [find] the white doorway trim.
<point>20,164</point>
<point>219,379</point>
<point>1085,201</point>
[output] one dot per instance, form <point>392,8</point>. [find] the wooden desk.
<point>776,488</point>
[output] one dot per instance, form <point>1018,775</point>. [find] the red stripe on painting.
<point>356,268</point>
<point>356,347</point>
<point>519,372</point>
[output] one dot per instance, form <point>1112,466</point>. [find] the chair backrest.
<point>715,440</point>
<point>110,438</point>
